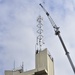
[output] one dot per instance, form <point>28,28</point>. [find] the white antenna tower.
<point>40,33</point>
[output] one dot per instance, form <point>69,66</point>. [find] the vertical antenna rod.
<point>14,67</point>
<point>57,32</point>
<point>22,66</point>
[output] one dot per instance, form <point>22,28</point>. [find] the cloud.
<point>18,33</point>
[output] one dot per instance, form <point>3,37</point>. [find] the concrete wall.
<point>43,63</point>
<point>12,72</point>
<point>50,65</point>
<point>41,60</point>
<point>31,72</point>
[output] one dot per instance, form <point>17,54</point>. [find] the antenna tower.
<point>39,42</point>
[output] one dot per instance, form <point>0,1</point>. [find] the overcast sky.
<point>18,33</point>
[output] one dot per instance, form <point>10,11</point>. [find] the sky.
<point>18,26</point>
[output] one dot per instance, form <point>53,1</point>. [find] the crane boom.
<point>57,32</point>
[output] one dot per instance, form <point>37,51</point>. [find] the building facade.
<point>44,65</point>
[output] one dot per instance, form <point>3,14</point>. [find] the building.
<point>43,65</point>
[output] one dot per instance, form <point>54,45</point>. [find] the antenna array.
<point>40,33</point>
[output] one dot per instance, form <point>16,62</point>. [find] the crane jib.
<point>57,32</point>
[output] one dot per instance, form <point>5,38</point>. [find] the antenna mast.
<point>40,33</point>
<point>57,32</point>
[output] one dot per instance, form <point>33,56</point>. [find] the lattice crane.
<point>57,32</point>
